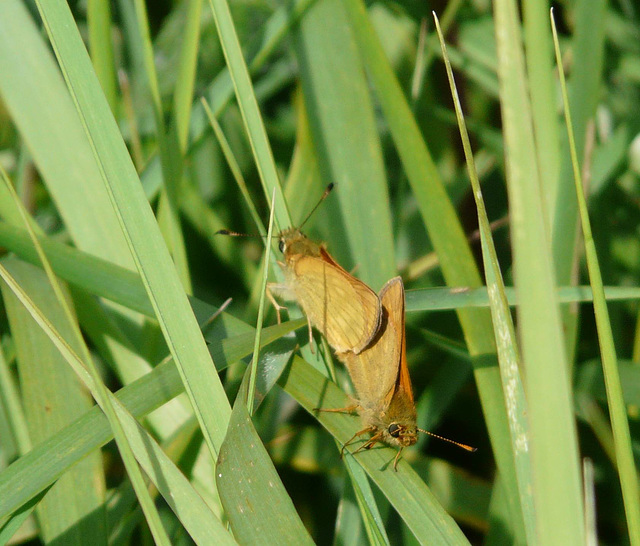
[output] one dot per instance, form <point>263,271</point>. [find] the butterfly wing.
<point>344,309</point>
<point>374,372</point>
<point>399,405</point>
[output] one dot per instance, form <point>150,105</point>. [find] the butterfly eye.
<point>394,430</point>
<point>281,245</point>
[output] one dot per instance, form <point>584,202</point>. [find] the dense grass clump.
<point>133,134</point>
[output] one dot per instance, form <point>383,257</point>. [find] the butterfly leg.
<point>359,433</point>
<point>348,409</point>
<point>273,301</point>
<point>310,336</point>
<point>372,441</point>
<point>395,461</point>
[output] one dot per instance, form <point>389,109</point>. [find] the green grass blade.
<point>101,46</point>
<point>180,495</point>
<point>168,216</point>
<point>9,528</point>
<point>589,46</point>
<point>185,82</point>
<point>343,126</point>
<point>149,251</point>
<point>98,390</point>
<point>47,461</point>
<point>556,473</point>
<point>539,45</point>
<point>49,125</point>
<point>251,390</point>
<point>255,501</point>
<point>72,509</point>
<point>621,435</point>
<point>506,341</point>
<point>373,523</point>
<point>249,108</point>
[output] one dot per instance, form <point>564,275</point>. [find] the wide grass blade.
<point>617,409</point>
<point>341,117</point>
<point>49,125</point>
<point>556,472</point>
<point>255,501</point>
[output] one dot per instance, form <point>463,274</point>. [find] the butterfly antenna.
<point>326,193</point>
<point>463,446</point>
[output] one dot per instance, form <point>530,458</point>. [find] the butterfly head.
<point>401,434</point>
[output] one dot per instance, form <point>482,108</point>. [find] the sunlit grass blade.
<point>49,124</point>
<point>557,489</point>
<point>622,438</point>
<point>150,254</point>
<point>506,341</point>
<point>194,513</point>
<point>251,389</point>
<point>249,108</point>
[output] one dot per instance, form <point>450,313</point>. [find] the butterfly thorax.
<point>294,243</point>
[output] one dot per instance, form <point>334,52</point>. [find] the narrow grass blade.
<point>556,472</point>
<point>251,390</point>
<point>11,526</point>
<point>506,341</point>
<point>538,44</point>
<point>373,523</point>
<point>589,46</point>
<point>185,82</point>
<point>622,438</point>
<point>101,46</point>
<point>234,167</point>
<point>249,108</point>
